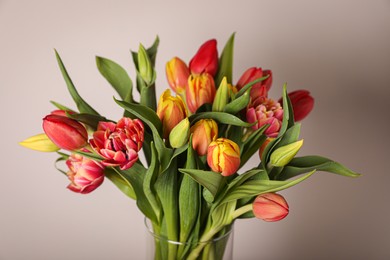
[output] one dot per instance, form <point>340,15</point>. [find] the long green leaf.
<point>305,164</point>
<point>238,104</point>
<point>226,62</point>
<point>82,106</point>
<point>117,77</point>
<point>88,119</point>
<point>288,113</point>
<point>121,182</point>
<point>221,117</point>
<point>208,179</point>
<point>252,144</point>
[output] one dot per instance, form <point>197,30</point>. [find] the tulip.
<point>65,132</point>
<point>250,75</point>
<point>177,74</point>
<point>270,207</point>
<point>119,143</point>
<point>206,59</point>
<point>200,90</point>
<point>85,174</point>
<point>269,112</point>
<point>223,156</point>
<point>40,142</point>
<point>301,102</point>
<point>204,132</point>
<point>180,133</point>
<point>283,155</point>
<point>171,110</point>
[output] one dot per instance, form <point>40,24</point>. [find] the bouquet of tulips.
<point>190,185</point>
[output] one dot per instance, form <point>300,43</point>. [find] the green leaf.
<point>226,62</point>
<point>305,164</point>
<point>121,182</point>
<point>208,179</point>
<point>252,144</point>
<point>221,117</point>
<point>148,184</point>
<point>61,107</point>
<point>117,77</point>
<point>82,106</point>
<point>88,119</point>
<point>288,114</point>
<point>248,86</point>
<point>238,104</point>
<point>255,187</point>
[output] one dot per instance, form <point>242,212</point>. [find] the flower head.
<point>119,143</point>
<point>270,207</point>
<point>204,132</point>
<point>85,174</point>
<point>223,156</point>
<point>206,59</point>
<point>302,103</point>
<point>177,74</point>
<point>200,90</point>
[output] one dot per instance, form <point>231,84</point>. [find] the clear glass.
<point>160,248</point>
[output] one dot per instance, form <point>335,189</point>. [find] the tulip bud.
<point>180,133</point>
<point>283,155</point>
<point>250,75</point>
<point>223,156</point>
<point>145,67</point>
<point>177,74</point>
<point>204,132</point>
<point>268,113</point>
<point>200,90</point>
<point>206,59</point>
<point>40,143</point>
<point>222,96</point>
<point>171,110</point>
<point>85,174</point>
<point>65,132</point>
<point>270,207</point>
<point>301,102</point>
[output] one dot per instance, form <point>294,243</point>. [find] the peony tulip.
<point>269,112</point>
<point>200,90</point>
<point>85,174</point>
<point>65,132</point>
<point>171,110</point>
<point>204,132</point>
<point>301,102</point>
<point>177,74</point>
<point>270,207</point>
<point>223,156</point>
<point>206,59</point>
<point>119,143</point>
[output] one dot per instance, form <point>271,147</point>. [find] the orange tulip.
<point>223,156</point>
<point>204,132</point>
<point>200,90</point>
<point>177,74</point>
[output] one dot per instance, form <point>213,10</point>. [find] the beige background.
<point>339,50</point>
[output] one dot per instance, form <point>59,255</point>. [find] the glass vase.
<point>160,248</point>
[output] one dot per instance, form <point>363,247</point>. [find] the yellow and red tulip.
<point>119,143</point>
<point>270,207</point>
<point>223,156</point>
<point>206,59</point>
<point>85,174</point>
<point>200,90</point>
<point>269,112</point>
<point>65,132</point>
<point>171,110</point>
<point>204,132</point>
<point>177,74</point>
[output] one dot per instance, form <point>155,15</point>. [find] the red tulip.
<point>270,207</point>
<point>119,143</point>
<point>85,174</point>
<point>302,103</point>
<point>206,59</point>
<point>65,132</point>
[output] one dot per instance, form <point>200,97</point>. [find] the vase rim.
<point>148,222</point>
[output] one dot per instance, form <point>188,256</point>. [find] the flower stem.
<point>242,210</point>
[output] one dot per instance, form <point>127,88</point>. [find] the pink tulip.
<point>223,156</point>
<point>206,59</point>
<point>177,74</point>
<point>119,143</point>
<point>301,102</point>
<point>270,207</point>
<point>200,90</point>
<point>65,132</point>
<point>269,112</point>
<point>85,174</point>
